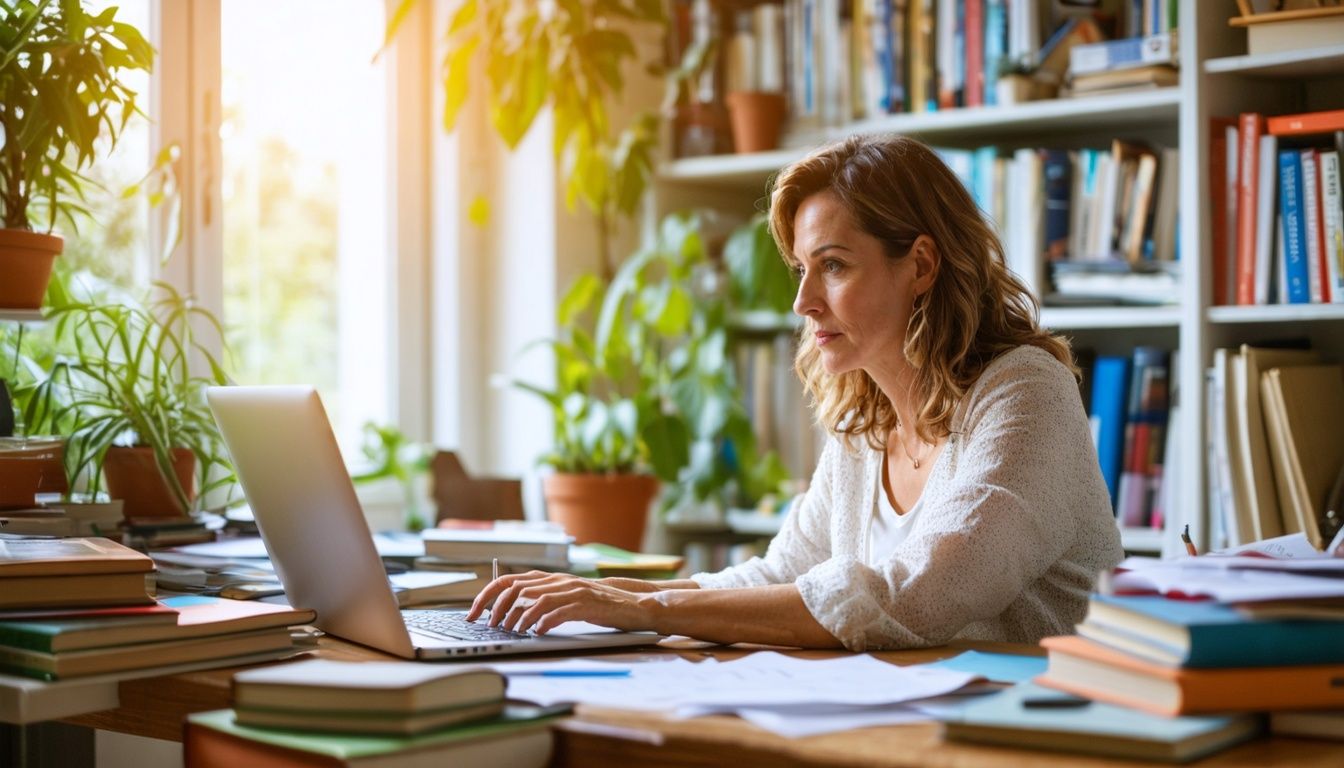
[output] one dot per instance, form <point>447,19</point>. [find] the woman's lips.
<point>825,337</point>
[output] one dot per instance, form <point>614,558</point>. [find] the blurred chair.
<point>461,496</point>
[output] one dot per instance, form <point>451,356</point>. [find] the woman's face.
<point>856,299</point>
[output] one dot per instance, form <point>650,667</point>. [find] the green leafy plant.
<point>60,93</point>
<point>394,456</point>
<point>758,277</point>
<point>652,388</point>
<point>568,55</point>
<point>122,374</point>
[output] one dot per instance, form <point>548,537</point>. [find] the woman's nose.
<point>806,302</point>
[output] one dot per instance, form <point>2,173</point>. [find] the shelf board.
<point>981,124</point>
<point>1084,318</point>
<point>1277,313</point>
<point>1309,62</point>
<point>20,315</point>
<point>1141,539</point>
<point>1111,112</point>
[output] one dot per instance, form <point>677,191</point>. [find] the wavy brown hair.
<point>897,189</point>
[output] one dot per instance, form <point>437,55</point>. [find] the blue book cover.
<point>1029,715</point>
<point>1294,227</point>
<point>1206,634</point>
<point>1057,168</point>
<point>996,40</point>
<point>1110,387</point>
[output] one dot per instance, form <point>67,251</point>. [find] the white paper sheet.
<point>1226,585</point>
<point>761,680</point>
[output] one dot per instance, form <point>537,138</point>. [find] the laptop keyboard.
<point>453,625</point>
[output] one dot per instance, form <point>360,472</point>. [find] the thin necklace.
<point>913,460</point>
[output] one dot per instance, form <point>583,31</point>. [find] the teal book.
<point>1033,717</point>
<point>518,737</point>
<point>1206,634</point>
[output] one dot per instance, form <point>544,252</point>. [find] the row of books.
<point>1275,451</point>
<point>324,712</point>
<point>844,60</point>
<point>1104,220</point>
<point>1176,660</point>
<point>1278,237</point>
<point>79,606</point>
<point>1128,400</point>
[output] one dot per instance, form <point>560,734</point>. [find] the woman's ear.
<point>927,259</point>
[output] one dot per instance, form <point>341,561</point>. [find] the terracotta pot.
<point>29,466</point>
<point>25,267</point>
<point>133,476</point>
<point>757,117</point>
<point>607,509</point>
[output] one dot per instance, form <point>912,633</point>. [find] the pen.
<point>494,568</point>
<point>1189,545</point>
<point>571,673</point>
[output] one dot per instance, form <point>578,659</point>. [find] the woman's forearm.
<point>642,585</point>
<point>771,615</point>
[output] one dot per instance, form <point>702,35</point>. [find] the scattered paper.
<point>1225,585</point>
<point>762,680</point>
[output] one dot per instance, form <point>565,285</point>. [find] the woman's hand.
<point>542,601</point>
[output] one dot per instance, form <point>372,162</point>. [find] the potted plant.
<point>648,396</point>
<point>122,388</point>
<point>60,93</point>
<point>394,458</point>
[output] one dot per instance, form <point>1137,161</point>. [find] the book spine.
<point>1057,170</point>
<point>1248,167</point>
<point>1264,217</point>
<point>1306,124</point>
<point>1332,197</point>
<point>897,11</point>
<point>1311,225</point>
<point>975,53</point>
<point>1294,230</point>
<point>996,40</point>
<point>1109,396</point>
<point>1219,172</point>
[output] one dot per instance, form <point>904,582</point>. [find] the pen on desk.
<point>494,568</point>
<point>1189,545</point>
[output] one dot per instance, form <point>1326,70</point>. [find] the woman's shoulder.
<point>1025,371</point>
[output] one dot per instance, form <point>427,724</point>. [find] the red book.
<point>1218,175</point>
<point>975,53</point>
<point>1252,124</point>
<point>1306,123</point>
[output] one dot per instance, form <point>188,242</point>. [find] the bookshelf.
<point>1217,79</point>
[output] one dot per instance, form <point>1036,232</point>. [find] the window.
<point>306,257</point>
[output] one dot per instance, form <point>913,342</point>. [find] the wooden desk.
<point>156,707</point>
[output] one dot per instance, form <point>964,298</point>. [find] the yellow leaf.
<point>478,213</point>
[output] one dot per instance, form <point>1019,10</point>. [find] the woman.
<point>959,496</point>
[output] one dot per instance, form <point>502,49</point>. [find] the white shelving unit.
<point>1217,79</point>
<point>20,315</point>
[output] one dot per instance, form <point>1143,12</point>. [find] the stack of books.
<point>60,644</point>
<point>323,712</point>
<point>85,572</point>
<point>517,546</point>
<point>1180,658</point>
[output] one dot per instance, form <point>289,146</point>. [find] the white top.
<point>887,528</point>
<point>1014,526</point>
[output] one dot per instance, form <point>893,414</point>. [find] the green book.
<point>516,719</point>
<point>1028,715</point>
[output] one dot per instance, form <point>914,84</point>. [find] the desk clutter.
<point>1177,659</point>
<point>322,712</point>
<point>78,607</point>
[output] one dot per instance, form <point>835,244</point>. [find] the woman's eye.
<point>831,266</point>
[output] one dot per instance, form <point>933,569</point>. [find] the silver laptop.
<point>310,520</point>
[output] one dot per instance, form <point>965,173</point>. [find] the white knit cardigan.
<point>1015,525</point>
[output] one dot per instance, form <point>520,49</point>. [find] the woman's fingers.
<point>533,608</point>
<point>489,597</point>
